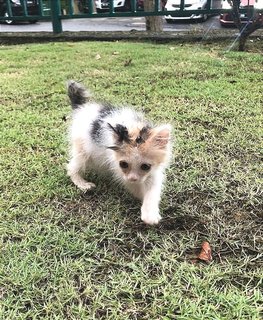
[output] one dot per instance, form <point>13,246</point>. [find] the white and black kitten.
<point>122,142</point>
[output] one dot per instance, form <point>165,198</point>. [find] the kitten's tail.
<point>77,93</point>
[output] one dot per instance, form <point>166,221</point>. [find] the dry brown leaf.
<point>206,252</point>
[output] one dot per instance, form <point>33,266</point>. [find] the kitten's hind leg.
<point>75,169</point>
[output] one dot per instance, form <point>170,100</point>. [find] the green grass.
<point>69,255</point>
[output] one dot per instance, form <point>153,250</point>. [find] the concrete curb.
<point>166,36</point>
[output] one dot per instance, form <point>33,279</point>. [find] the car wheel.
<point>33,21</point>
<point>8,21</point>
<point>169,20</point>
<point>204,18</point>
<point>127,5</point>
<point>80,7</point>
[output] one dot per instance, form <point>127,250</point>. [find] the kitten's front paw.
<point>85,186</point>
<point>150,218</point>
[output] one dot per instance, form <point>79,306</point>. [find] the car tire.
<point>9,22</point>
<point>80,7</point>
<point>169,20</point>
<point>204,18</point>
<point>33,21</point>
<point>127,6</point>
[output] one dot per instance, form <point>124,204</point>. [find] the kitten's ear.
<point>161,136</point>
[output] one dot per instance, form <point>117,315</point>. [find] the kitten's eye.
<point>123,164</point>
<point>146,167</point>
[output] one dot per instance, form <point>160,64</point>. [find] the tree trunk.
<point>153,23</point>
<point>242,42</point>
<point>247,31</point>
<point>256,22</point>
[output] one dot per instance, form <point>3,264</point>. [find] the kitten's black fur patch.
<point>106,110</point>
<point>95,132</point>
<point>139,140</point>
<point>96,126</point>
<point>121,132</point>
<point>143,134</point>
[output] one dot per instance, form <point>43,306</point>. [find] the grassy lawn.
<point>69,255</point>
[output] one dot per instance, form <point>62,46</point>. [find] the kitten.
<point>122,142</point>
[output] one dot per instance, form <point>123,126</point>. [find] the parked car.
<point>226,19</point>
<point>104,5</point>
<point>173,5</point>
<point>17,9</point>
<point>119,5</point>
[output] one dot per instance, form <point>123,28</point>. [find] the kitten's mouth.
<point>133,181</point>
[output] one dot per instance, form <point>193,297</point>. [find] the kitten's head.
<point>140,152</point>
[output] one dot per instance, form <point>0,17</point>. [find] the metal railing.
<point>57,10</point>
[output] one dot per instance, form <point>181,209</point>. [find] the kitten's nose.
<point>132,177</point>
